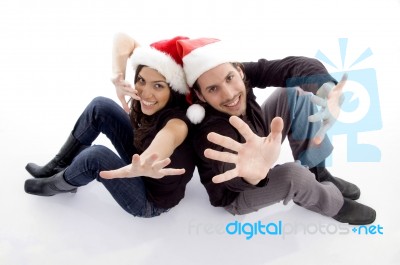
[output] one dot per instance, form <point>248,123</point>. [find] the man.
<point>240,177</point>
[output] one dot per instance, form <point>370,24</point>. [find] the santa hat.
<point>163,56</point>
<point>199,56</point>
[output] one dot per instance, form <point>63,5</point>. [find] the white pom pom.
<point>195,113</point>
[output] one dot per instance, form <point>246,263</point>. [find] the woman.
<point>156,128</point>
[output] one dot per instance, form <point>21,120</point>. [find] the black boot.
<point>49,186</point>
<point>348,190</point>
<point>71,148</point>
<point>355,213</point>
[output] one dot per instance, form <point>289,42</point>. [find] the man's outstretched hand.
<point>329,99</point>
<point>254,158</point>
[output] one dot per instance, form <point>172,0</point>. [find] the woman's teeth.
<point>147,103</point>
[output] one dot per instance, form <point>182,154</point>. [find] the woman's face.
<point>153,90</point>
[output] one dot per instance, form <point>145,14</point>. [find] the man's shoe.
<point>355,213</point>
<point>348,190</point>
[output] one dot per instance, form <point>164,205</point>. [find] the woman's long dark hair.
<point>144,124</point>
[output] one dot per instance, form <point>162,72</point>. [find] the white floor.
<point>54,58</point>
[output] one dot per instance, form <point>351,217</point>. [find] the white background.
<point>55,56</point>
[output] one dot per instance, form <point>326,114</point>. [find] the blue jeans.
<point>105,116</point>
<point>294,106</point>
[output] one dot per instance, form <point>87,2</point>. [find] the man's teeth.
<point>147,103</point>
<point>233,103</point>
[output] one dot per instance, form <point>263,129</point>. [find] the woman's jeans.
<point>105,116</point>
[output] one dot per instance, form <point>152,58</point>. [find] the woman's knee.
<point>100,101</point>
<point>99,157</point>
<point>95,152</point>
<point>101,104</point>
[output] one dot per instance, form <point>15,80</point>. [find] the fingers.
<point>152,163</point>
<point>133,93</point>
<point>148,166</point>
<point>277,126</point>
<point>324,90</point>
<point>342,82</point>
<point>341,99</point>
<point>159,167</point>
<point>317,116</point>
<point>129,91</point>
<point>224,141</point>
<point>136,160</point>
<point>320,135</point>
<point>220,156</point>
<point>149,161</point>
<point>124,88</point>
<point>112,174</point>
<point>318,100</point>
<point>160,164</point>
<point>241,126</point>
<point>105,174</point>
<point>124,104</point>
<point>228,175</point>
<point>172,171</point>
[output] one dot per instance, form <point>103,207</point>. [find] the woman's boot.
<point>49,186</point>
<point>71,148</point>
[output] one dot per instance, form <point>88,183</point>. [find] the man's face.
<point>223,88</point>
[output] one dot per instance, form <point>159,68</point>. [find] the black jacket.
<point>307,73</point>
<point>167,192</point>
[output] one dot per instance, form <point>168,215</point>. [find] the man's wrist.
<point>259,182</point>
<point>252,181</point>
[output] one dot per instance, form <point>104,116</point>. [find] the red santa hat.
<point>163,56</point>
<point>199,56</point>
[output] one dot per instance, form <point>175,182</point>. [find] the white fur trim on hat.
<point>204,58</point>
<point>164,64</point>
<point>195,113</point>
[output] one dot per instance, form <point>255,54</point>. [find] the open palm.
<point>330,101</point>
<point>254,158</point>
<point>143,167</point>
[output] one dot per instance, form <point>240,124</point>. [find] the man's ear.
<point>200,96</point>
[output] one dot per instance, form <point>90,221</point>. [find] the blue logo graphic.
<point>281,229</point>
<point>360,111</point>
<point>368,230</point>
<point>251,229</point>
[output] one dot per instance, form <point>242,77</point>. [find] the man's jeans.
<point>294,106</point>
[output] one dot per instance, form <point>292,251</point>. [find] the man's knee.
<point>293,173</point>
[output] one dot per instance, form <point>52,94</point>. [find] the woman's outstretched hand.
<point>150,167</point>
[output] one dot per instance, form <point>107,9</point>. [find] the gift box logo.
<point>360,111</point>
